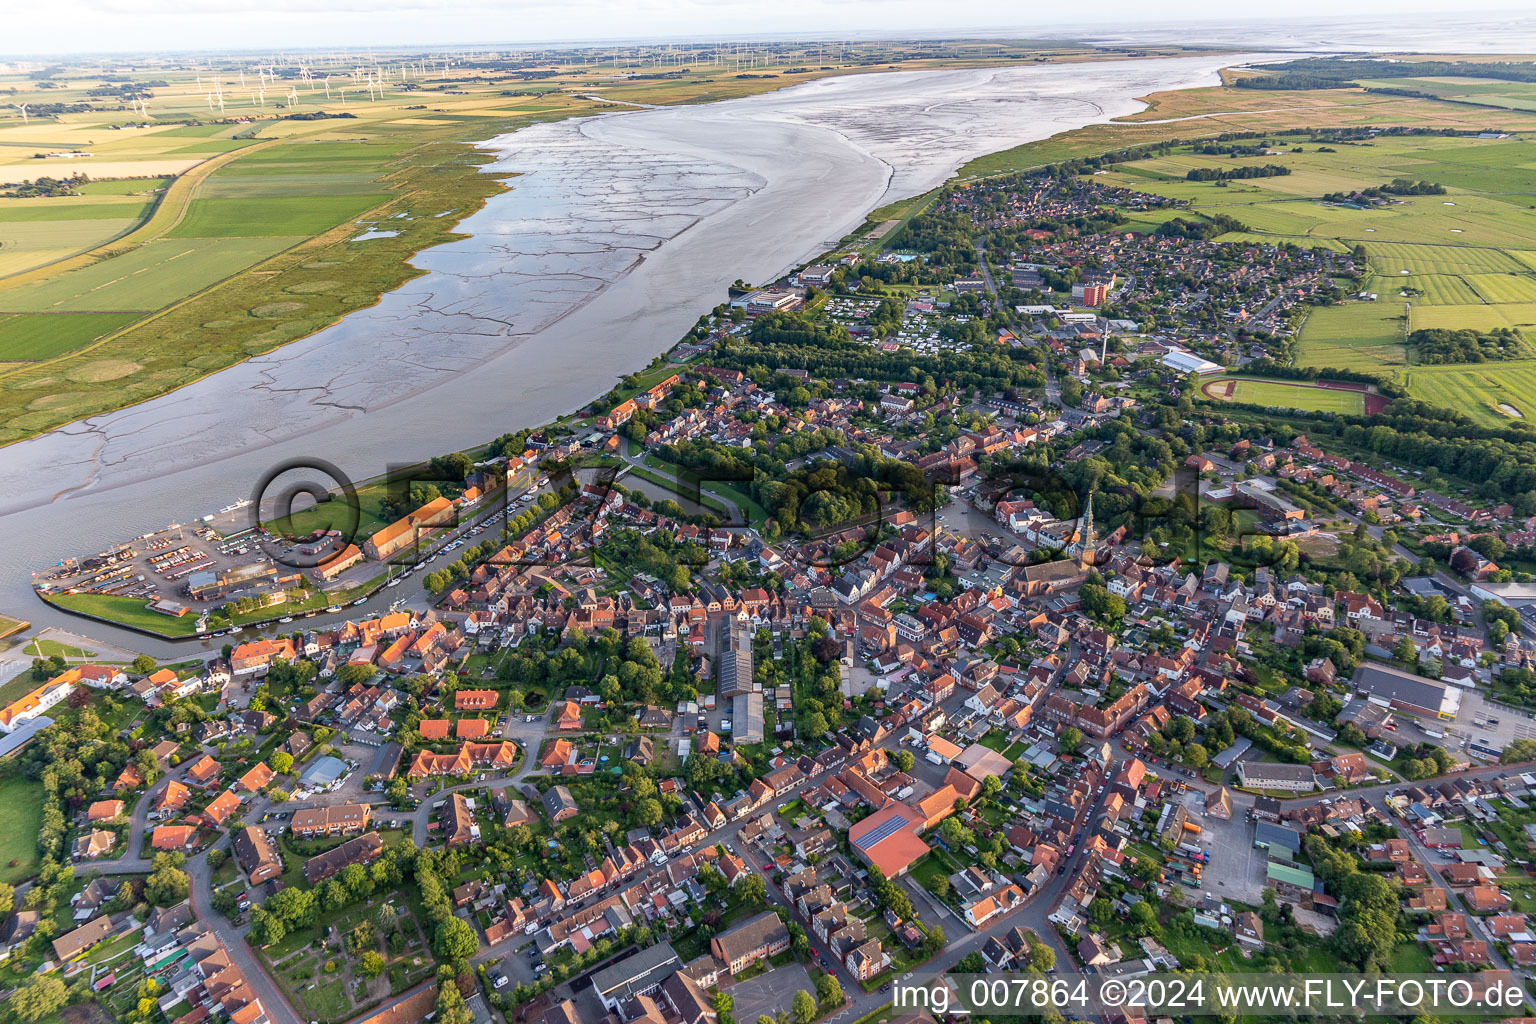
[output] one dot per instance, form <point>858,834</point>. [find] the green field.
<point>1478,391</point>
<point>130,611</point>
<point>39,648</point>
<point>147,277</point>
<point>21,816</point>
<point>26,337</point>
<point>133,210</point>
<point>291,215</point>
<point>1481,317</point>
<point>1504,287</point>
<point>1292,396</point>
<point>1483,91</point>
<point>1433,289</point>
<point>25,244</point>
<point>1393,258</point>
<point>1353,336</point>
<point>123,186</point>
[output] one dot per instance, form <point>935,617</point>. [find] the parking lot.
<point>161,564</point>
<point>1236,869</point>
<point>769,993</point>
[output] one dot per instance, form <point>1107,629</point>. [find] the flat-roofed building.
<point>1404,691</point>
<point>1293,778</point>
<point>637,975</point>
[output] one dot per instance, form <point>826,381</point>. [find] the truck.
<point>933,758</point>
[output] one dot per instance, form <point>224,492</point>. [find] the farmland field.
<point>31,336</point>
<point>1393,258</point>
<point>1353,336</point>
<point>1478,390</point>
<point>1504,287</point>
<point>145,278</point>
<point>1433,289</point>
<point>29,243</point>
<point>1480,317</point>
<point>289,215</point>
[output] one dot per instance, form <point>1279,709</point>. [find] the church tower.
<point>1088,537</point>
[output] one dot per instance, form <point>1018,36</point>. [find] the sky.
<point>134,26</point>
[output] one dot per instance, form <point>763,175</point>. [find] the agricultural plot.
<point>1433,289</point>
<point>25,244</point>
<point>1393,258</point>
<point>145,278</point>
<point>270,216</point>
<point>26,211</point>
<point>1504,287</point>
<point>1491,393</point>
<point>29,337</point>
<point>1478,317</point>
<point>245,186</point>
<point>1353,336</point>
<point>1490,91</point>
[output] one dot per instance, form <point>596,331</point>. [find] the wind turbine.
<point>327,86</point>
<point>293,97</point>
<point>23,108</point>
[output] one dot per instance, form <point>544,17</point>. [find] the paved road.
<point>528,735</point>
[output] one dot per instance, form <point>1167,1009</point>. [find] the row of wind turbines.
<point>373,77</point>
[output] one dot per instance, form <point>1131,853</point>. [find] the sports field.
<point>1285,394</point>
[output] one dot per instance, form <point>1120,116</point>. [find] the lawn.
<point>21,816</point>
<point>129,611</point>
<point>995,740</point>
<point>328,1001</point>
<point>40,648</point>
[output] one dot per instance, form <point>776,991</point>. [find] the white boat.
<point>285,620</point>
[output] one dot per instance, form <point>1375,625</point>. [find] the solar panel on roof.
<point>881,832</point>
